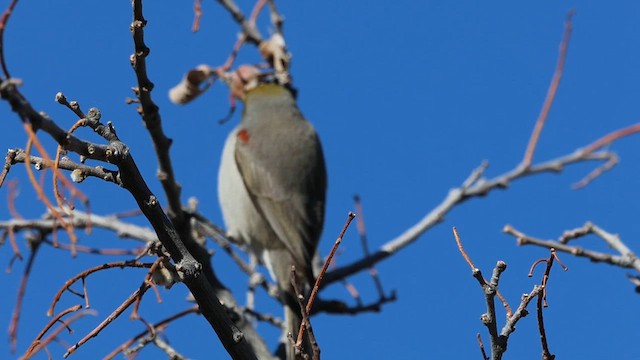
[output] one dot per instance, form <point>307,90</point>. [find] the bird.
<point>272,185</point>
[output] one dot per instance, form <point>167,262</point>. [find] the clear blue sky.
<point>408,97</point>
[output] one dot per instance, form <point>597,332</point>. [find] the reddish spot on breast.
<point>243,135</point>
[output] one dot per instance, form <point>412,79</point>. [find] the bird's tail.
<point>292,314</point>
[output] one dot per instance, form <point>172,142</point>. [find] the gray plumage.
<point>271,186</point>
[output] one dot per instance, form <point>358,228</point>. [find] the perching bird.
<point>271,186</point>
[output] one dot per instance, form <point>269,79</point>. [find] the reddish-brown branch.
<point>478,274</point>
<point>461,249</point>
<point>117,312</point>
<point>551,93</point>
<point>17,310</point>
<point>96,251</point>
<point>306,322</point>
<point>54,334</point>
<point>14,243</point>
<point>36,342</point>
<point>12,194</point>
<point>197,10</point>
<point>613,160</point>
<point>58,177</point>
<point>257,8</point>
<point>611,137</point>
<point>481,345</point>
<point>365,244</point>
<point>327,261</point>
<point>542,302</point>
<point>3,24</point>
<point>33,140</point>
<point>146,282</point>
<point>159,326</point>
<point>84,274</point>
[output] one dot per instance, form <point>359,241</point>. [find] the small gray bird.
<point>272,185</point>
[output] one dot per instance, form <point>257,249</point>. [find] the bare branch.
<point>79,171</point>
<point>626,258</point>
<point>249,29</point>
<point>470,189</point>
<point>53,321</point>
<point>35,242</point>
<point>117,312</point>
<point>151,116</point>
<point>3,24</point>
<point>551,93</point>
<point>82,220</point>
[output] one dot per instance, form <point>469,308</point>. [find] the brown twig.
<point>466,257</point>
<point>197,11</point>
<point>3,24</point>
<point>464,254</point>
<point>54,334</point>
<point>96,251</point>
<point>551,93</point>
<point>14,245</point>
<point>12,194</point>
<point>611,137</point>
<point>118,153</point>
<point>598,144</point>
<point>365,244</point>
<point>316,286</point>
<point>306,323</point>
<point>500,339</point>
<point>157,326</point>
<point>109,319</point>
<point>627,258</point>
<point>17,310</point>
<point>481,345</point>
<point>146,282</point>
<point>33,140</point>
<point>84,274</point>
<point>36,342</point>
<point>542,300</point>
<point>473,187</point>
<point>338,307</point>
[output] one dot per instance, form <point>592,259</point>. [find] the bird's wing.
<point>287,184</point>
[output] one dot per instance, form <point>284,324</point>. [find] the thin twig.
<point>17,310</point>
<point>84,274</point>
<point>476,271</point>
<point>36,342</point>
<point>197,11</point>
<point>117,312</point>
<point>316,286</point>
<point>3,24</point>
<point>159,325</point>
<point>481,345</point>
<point>551,93</point>
<point>249,30</point>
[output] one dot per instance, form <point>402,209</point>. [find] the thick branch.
<point>151,116</point>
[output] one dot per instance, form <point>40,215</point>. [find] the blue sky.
<point>408,98</point>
